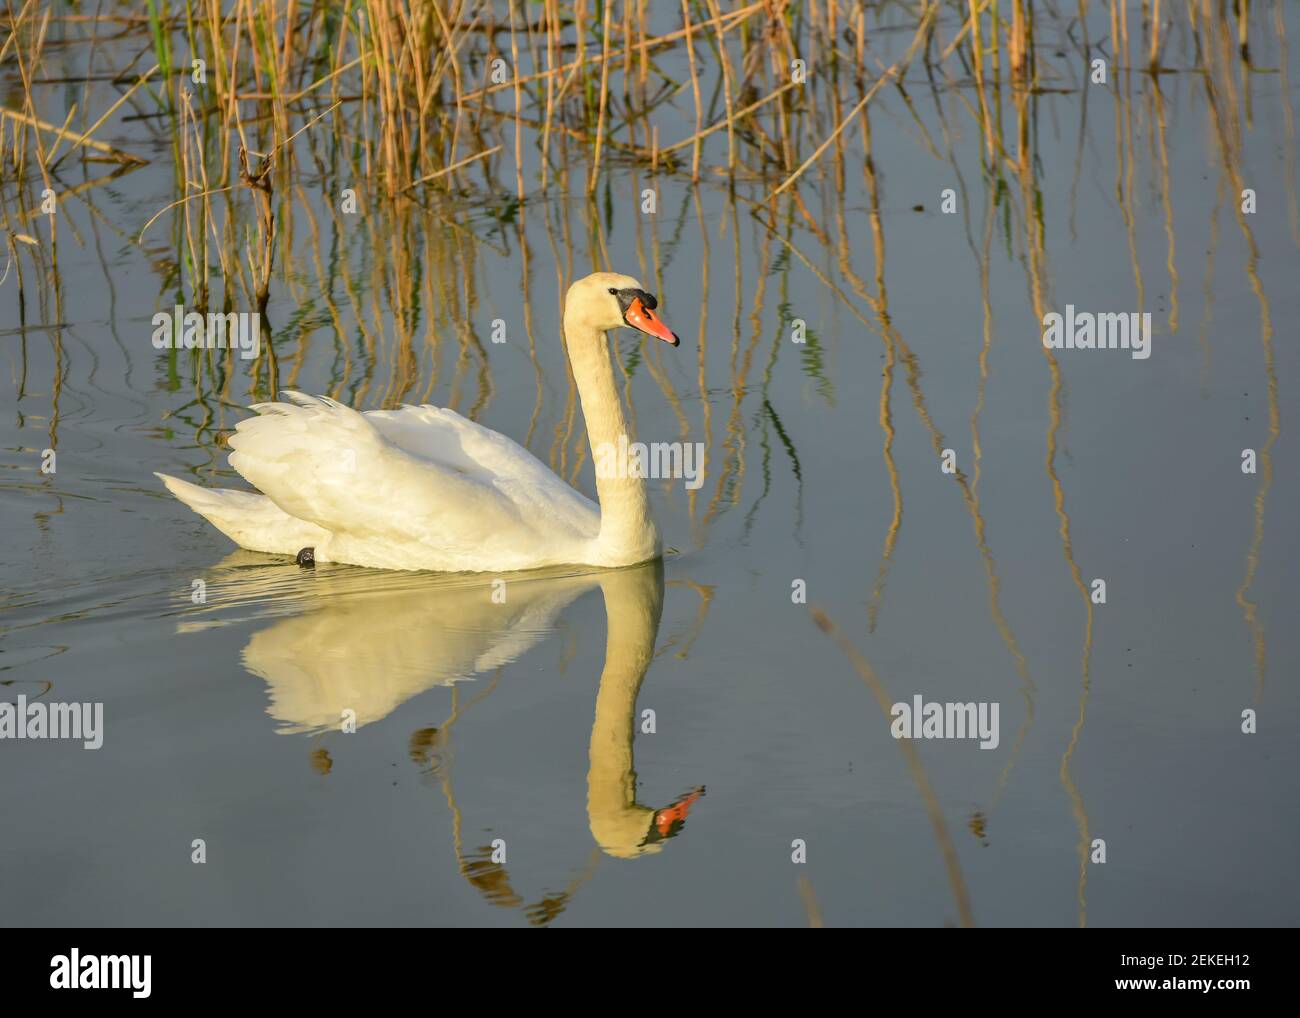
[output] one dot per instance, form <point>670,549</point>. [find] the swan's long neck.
<point>627,533</point>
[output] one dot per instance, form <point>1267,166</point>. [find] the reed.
<point>426,87</point>
<point>494,105</point>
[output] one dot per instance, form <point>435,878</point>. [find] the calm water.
<point>524,722</point>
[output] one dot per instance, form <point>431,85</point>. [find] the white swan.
<point>424,488</point>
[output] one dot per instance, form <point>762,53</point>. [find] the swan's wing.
<point>445,437</point>
<point>466,502</point>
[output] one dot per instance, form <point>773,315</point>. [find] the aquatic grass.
<point>397,99</point>
<point>419,80</point>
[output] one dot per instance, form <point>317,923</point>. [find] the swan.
<point>424,488</point>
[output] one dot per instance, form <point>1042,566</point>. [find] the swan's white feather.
<point>415,488</point>
<point>252,521</point>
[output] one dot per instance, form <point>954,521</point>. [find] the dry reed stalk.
<point>552,15</point>
<point>888,74</point>
<point>26,68</point>
<point>454,166</point>
<point>698,136</point>
<point>725,60</point>
<point>695,91</point>
<point>977,60</point>
<point>604,96</point>
<point>74,139</point>
<point>733,18</point>
<point>514,67</point>
<point>859,41</point>
<point>453,46</point>
<point>1017,45</point>
<point>626,29</point>
<point>960,37</point>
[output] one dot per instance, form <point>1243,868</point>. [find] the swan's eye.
<point>613,291</point>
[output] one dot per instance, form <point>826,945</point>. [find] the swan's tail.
<point>250,520</point>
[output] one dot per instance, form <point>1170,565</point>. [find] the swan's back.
<point>414,488</point>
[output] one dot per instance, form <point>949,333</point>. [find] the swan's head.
<point>607,300</point>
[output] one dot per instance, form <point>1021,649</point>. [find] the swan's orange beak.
<point>643,319</point>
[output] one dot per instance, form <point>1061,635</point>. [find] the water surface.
<point>524,722</point>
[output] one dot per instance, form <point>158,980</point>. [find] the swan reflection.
<point>367,641</point>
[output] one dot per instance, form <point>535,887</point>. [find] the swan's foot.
<point>307,558</point>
